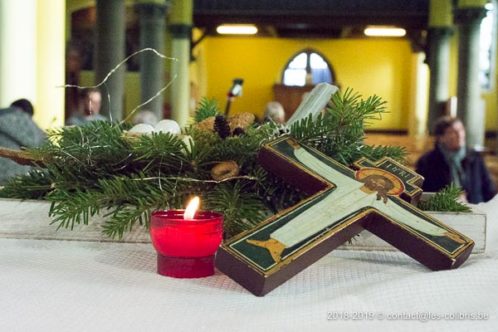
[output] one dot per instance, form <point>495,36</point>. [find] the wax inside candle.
<point>172,235</point>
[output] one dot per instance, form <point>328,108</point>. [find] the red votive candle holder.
<point>186,247</point>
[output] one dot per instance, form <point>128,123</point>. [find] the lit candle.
<point>186,240</point>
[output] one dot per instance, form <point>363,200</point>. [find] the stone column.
<point>152,27</point>
<point>32,57</point>
<point>438,57</point>
<point>181,29</point>
<point>417,121</point>
<point>109,51</point>
<point>18,51</point>
<point>470,109</point>
<point>51,46</point>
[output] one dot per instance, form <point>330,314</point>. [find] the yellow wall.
<point>471,3</point>
<point>369,66</point>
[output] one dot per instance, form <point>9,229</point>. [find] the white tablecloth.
<point>61,285</point>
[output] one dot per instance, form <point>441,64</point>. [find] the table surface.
<point>61,285</point>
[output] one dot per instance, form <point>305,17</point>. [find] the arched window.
<point>307,67</point>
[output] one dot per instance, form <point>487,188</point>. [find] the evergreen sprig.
<point>206,109</point>
<point>124,219</point>
<point>98,169</point>
<point>340,131</point>
<point>239,204</point>
<point>445,200</point>
<point>158,153</point>
<point>33,185</point>
<point>376,152</point>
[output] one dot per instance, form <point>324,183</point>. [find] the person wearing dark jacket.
<point>450,162</point>
<point>17,130</point>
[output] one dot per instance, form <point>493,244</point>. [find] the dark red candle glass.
<point>186,247</point>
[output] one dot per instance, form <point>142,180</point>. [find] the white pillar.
<point>419,100</point>
<point>32,57</point>
<point>17,51</point>
<point>50,65</point>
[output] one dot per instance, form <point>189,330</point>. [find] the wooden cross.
<point>341,203</point>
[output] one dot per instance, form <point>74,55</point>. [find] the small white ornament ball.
<point>141,129</point>
<point>168,126</point>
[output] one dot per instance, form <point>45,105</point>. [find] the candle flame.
<point>192,207</point>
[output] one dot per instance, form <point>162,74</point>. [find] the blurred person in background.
<point>17,131</point>
<point>91,103</point>
<point>275,112</point>
<point>451,162</point>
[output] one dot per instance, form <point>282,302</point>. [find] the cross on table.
<point>341,204</point>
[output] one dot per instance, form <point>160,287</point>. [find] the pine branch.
<point>34,185</point>
<point>206,109</point>
<point>242,149</point>
<point>242,209</point>
<point>309,131</point>
<point>118,195</point>
<point>376,152</point>
<point>164,152</point>
<point>275,193</point>
<point>123,219</point>
<point>70,208</point>
<point>445,200</point>
<point>91,151</point>
<point>339,132</point>
<point>96,168</point>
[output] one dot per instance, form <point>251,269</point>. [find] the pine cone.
<point>238,131</point>
<point>206,124</point>
<point>242,120</point>
<point>221,126</point>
